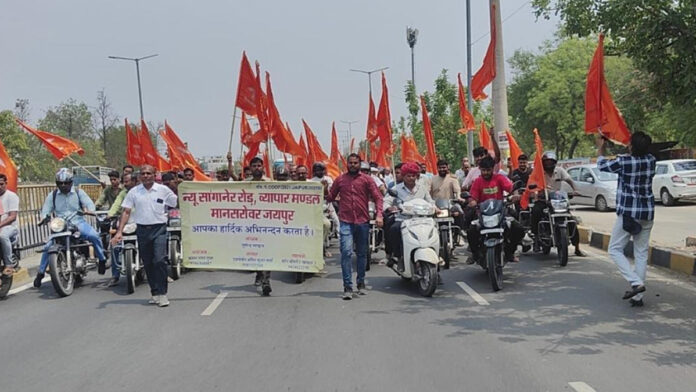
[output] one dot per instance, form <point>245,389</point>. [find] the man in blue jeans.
<point>355,190</point>
<point>65,202</point>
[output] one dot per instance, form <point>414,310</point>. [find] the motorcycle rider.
<point>108,195</point>
<point>554,176</point>
<point>520,176</point>
<point>408,190</point>
<point>491,185</point>
<point>115,211</point>
<point>445,186</point>
<point>63,202</point>
<point>9,207</point>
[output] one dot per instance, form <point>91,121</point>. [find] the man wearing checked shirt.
<point>635,207</point>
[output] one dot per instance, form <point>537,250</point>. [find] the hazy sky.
<point>55,50</point>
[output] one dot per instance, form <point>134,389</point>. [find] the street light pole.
<point>350,130</point>
<point>137,71</point>
<point>411,37</point>
<point>469,101</point>
<point>369,75</point>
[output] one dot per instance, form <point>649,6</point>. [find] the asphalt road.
<point>548,328</point>
<point>672,224</point>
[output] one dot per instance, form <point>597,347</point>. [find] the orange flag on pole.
<point>409,150</point>
<point>384,131</point>
<point>515,150</point>
<point>246,88</point>
<point>485,75</point>
<point>302,159</point>
<point>134,154</point>
<point>8,168</point>
<point>283,139</point>
<point>59,146</point>
<point>352,144</point>
<point>179,147</point>
<point>430,156</point>
<point>485,137</point>
<point>336,156</point>
<point>537,176</point>
<point>468,123</point>
<point>371,135</point>
<point>601,114</point>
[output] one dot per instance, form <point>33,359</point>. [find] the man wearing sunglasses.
<point>65,202</point>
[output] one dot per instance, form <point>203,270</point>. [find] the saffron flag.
<point>384,131</point>
<point>247,90</point>
<point>59,146</point>
<point>183,153</point>
<point>267,163</point>
<point>468,123</point>
<point>302,159</point>
<point>8,168</point>
<point>148,150</point>
<point>515,150</point>
<point>176,161</point>
<point>134,154</point>
<point>485,137</point>
<point>246,133</point>
<point>352,144</point>
<point>537,176</point>
<point>485,75</point>
<point>336,156</point>
<point>283,139</point>
<point>261,108</point>
<point>314,151</point>
<point>601,114</point>
<point>430,156</point>
<point>371,135</point>
<point>409,150</point>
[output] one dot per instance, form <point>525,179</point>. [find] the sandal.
<point>634,290</point>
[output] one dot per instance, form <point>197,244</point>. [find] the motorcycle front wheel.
<point>445,248</point>
<point>62,280</point>
<point>129,267</point>
<point>562,246</point>
<point>428,281</point>
<point>174,261</point>
<point>494,262</point>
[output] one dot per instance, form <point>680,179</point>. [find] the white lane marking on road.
<point>473,294</point>
<point>213,305</point>
<point>27,286</point>
<point>580,386</point>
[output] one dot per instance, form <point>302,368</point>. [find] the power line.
<point>503,21</point>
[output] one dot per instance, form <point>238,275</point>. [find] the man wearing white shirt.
<point>9,206</point>
<point>148,202</point>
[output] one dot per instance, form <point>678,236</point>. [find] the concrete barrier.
<point>672,259</point>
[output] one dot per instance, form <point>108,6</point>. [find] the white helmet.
<point>549,155</point>
<point>64,175</point>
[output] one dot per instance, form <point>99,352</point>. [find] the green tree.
<point>658,35</point>
<point>548,93</point>
<point>16,143</point>
<point>443,108</point>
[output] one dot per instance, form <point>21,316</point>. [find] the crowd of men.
<point>144,197</point>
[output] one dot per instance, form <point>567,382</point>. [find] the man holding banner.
<point>355,190</point>
<point>263,278</point>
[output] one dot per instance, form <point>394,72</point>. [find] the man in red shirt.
<point>355,190</point>
<point>491,185</point>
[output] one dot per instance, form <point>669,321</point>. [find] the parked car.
<point>675,180</point>
<point>596,188</point>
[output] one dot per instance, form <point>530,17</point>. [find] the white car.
<point>596,188</point>
<point>675,180</point>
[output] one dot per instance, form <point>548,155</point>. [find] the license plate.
<point>690,180</point>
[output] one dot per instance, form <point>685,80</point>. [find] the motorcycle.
<point>69,256</point>
<point>557,226</point>
<point>128,262</point>
<point>421,244</point>
<point>104,228</point>
<point>491,224</point>
<point>6,280</point>
<point>449,232</point>
<point>176,257</point>
<point>375,235</point>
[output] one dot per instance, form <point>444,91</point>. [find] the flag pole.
<point>234,118</point>
<point>84,168</point>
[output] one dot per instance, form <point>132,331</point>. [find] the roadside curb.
<point>672,259</point>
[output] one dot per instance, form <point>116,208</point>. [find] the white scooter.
<point>421,244</point>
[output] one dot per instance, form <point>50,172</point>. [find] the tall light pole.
<point>350,130</point>
<point>369,74</point>
<point>137,71</point>
<point>469,101</point>
<point>411,37</point>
